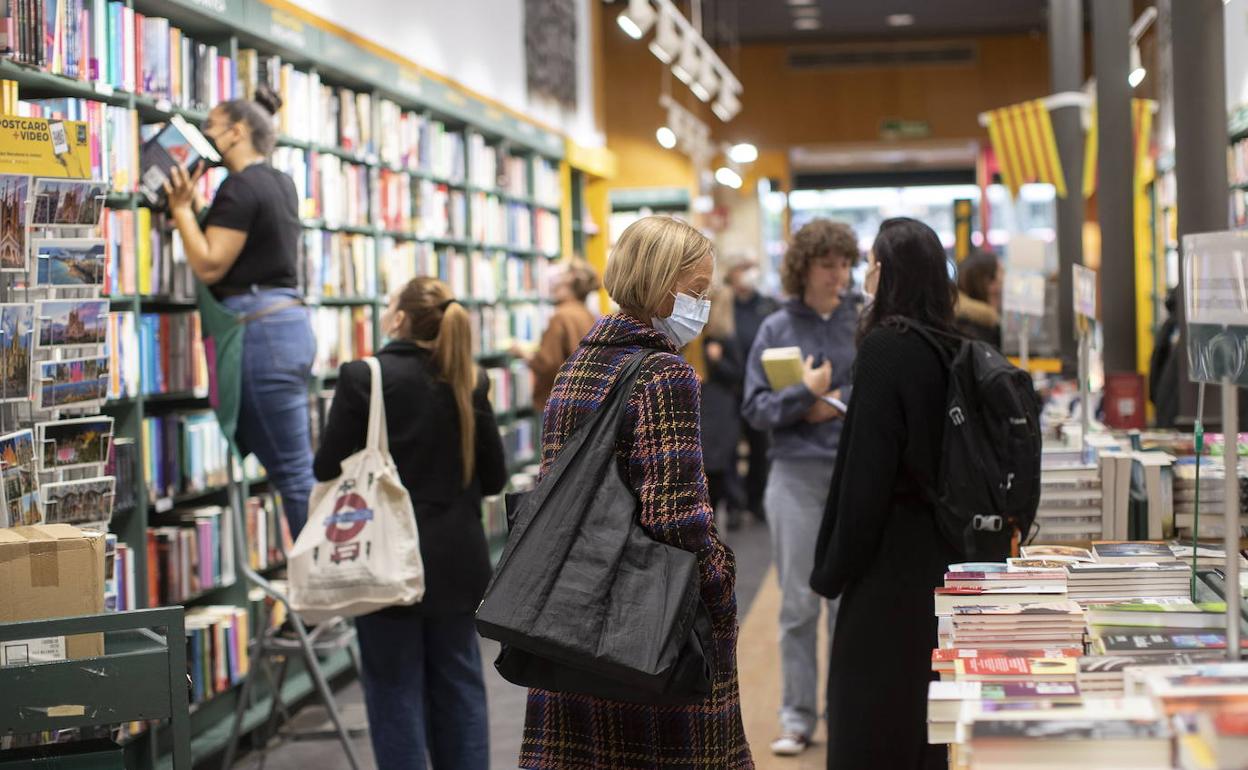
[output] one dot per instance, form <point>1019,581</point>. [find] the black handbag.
<point>583,600</point>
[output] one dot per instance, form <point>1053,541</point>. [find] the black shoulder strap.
<point>930,336</point>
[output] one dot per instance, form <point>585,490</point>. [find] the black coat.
<point>423,424</point>
<point>880,551</point>
<point>721,406</point>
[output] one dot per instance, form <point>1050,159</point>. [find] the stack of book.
<point>1127,734</point>
<point>1104,676</point>
<point>1072,506</point>
<point>1212,494</point>
<point>945,659</point>
<point>1095,583</point>
<point>990,587</point>
<point>190,558</point>
<point>1041,624</point>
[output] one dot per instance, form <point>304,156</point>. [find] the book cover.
<point>177,144</point>
<point>1017,667</point>
<point>783,367</point>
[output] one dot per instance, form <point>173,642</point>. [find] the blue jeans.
<point>278,350</point>
<point>424,691</point>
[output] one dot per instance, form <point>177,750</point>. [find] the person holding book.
<point>821,320</point>
<point>721,408</point>
<point>659,273</point>
<point>247,251</point>
<point>570,322</point>
<point>878,549</point>
<point>423,684</point>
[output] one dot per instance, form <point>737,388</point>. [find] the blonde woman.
<point>659,274</point>
<point>423,685</point>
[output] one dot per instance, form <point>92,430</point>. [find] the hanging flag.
<point>1022,138</point>
<point>1141,129</point>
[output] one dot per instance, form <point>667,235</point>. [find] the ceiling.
<point>773,20</point>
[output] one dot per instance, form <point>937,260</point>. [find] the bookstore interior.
<point>162,607</point>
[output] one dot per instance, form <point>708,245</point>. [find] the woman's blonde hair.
<point>721,324</point>
<point>651,254</point>
<point>433,316</point>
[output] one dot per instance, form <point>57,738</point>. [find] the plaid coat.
<point>661,456</point>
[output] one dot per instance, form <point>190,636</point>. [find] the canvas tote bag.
<point>359,551</point>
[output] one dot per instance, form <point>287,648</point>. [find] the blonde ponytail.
<point>437,321</point>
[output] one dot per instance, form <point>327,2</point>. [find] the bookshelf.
<point>420,178</point>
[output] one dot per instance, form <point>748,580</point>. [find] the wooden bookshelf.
<point>339,60</point>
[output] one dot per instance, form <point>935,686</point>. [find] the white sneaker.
<point>790,745</point>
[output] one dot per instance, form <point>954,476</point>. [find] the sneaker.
<point>790,745</point>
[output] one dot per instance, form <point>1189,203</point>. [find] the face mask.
<point>220,161</point>
<point>688,316</point>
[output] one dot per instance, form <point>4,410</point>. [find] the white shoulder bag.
<point>359,551</point>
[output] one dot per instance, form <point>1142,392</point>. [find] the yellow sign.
<point>40,147</point>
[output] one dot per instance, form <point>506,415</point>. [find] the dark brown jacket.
<point>568,326</point>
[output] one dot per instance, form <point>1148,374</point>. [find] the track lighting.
<point>708,80</point>
<point>686,67</point>
<point>666,43</point>
<point>666,137</point>
<point>637,19</point>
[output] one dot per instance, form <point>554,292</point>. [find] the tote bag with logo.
<point>359,551</point>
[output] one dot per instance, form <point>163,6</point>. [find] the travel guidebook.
<point>178,144</point>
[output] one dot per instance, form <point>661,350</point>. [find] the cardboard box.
<point>51,571</point>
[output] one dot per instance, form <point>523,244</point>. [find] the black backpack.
<point>989,483</point>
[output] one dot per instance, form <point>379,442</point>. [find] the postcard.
<point>69,263</point>
<point>73,443</point>
<point>18,480</point>
<point>14,194</point>
<point>68,203</point>
<point>68,323</point>
<point>17,329</point>
<point>78,502</point>
<point>77,382</point>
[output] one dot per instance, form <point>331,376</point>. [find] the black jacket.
<point>423,424</point>
<point>880,551</point>
<point>721,406</point>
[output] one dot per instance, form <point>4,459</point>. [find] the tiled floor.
<point>506,701</point>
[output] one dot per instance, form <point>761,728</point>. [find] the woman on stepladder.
<point>423,685</point>
<point>247,251</point>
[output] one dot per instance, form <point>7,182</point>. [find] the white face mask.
<point>688,316</point>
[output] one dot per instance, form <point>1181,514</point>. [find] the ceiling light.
<point>727,177</point>
<point>708,80</point>
<point>805,22</point>
<point>801,2</point>
<point>666,137</point>
<point>666,43</point>
<point>727,105</point>
<point>686,67</point>
<point>899,19</point>
<point>1137,73</point>
<point>807,11</point>
<point>637,19</point>
<point>743,153</point>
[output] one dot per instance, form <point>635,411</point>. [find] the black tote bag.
<point>583,600</point>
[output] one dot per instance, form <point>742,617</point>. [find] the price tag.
<point>1085,291</point>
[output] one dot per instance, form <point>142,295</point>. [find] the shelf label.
<point>23,652</point>
<point>288,30</point>
<point>164,505</point>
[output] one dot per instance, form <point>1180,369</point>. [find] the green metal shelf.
<point>45,84</point>
<point>343,301</point>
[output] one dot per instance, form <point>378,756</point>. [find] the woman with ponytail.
<point>247,252</point>
<point>423,685</point>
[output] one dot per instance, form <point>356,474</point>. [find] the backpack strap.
<point>929,335</point>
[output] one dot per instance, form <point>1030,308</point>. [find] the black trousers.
<point>756,477</point>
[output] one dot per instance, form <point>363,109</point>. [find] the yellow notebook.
<point>783,366</point>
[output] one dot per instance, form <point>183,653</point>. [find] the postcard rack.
<point>140,677</point>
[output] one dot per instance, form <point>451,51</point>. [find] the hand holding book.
<point>180,187</point>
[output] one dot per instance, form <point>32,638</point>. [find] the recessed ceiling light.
<point>805,23</point>
<point>899,19</point>
<point>805,12</point>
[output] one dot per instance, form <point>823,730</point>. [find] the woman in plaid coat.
<point>659,274</point>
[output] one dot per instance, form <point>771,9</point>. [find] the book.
<point>1056,551</point>
<point>949,598</point>
<point>1132,553</point>
<point>783,367</point>
<point>1160,642</point>
<point>177,144</point>
<point>944,699</point>
<point>1016,669</point>
<point>1160,613</point>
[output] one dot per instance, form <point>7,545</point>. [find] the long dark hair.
<point>914,278</point>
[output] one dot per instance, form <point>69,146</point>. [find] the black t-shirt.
<point>262,202</point>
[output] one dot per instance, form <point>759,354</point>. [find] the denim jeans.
<point>797,491</point>
<point>278,350</point>
<point>424,691</point>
